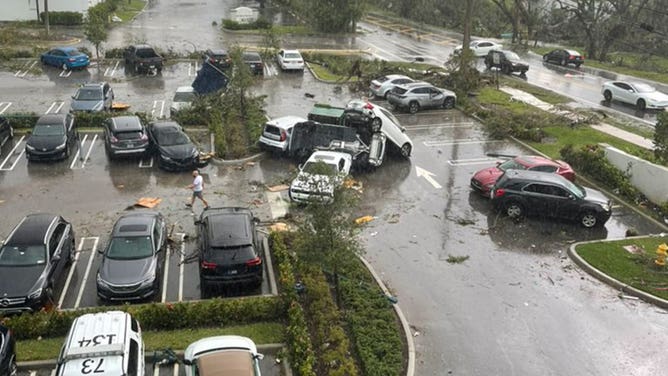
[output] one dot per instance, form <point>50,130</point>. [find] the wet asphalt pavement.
<point>517,306</point>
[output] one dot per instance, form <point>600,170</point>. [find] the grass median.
<point>260,333</point>
<point>636,269</point>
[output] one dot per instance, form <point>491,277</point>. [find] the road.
<point>516,306</point>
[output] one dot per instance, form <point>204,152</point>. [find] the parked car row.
<point>538,186</point>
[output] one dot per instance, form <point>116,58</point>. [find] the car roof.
<point>31,228</point>
<point>537,176</point>
<point>166,126</point>
<point>135,224</point>
<point>395,76</point>
<point>219,343</point>
<point>93,85</point>
<point>126,123</point>
<point>66,49</point>
<point>291,51</point>
<point>51,119</point>
<point>412,85</point>
<point>228,226</point>
<point>573,52</point>
<point>248,54</point>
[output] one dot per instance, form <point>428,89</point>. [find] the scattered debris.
<point>309,95</point>
<point>515,283</point>
<point>416,334</point>
<point>148,202</point>
<point>465,222</point>
<point>278,188</point>
<point>394,218</point>
<point>634,249</point>
<point>374,233</point>
<point>120,186</point>
<point>353,184</point>
<point>119,106</point>
<point>456,259</point>
<point>279,227</point>
<point>250,164</point>
<point>364,219</point>
<point>257,202</point>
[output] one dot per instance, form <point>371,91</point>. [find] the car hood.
<point>46,142</point>
<point>19,280</point>
<point>94,105</point>
<point>126,272</point>
<point>595,196</point>
<point>178,151</point>
<point>657,96</point>
<point>488,176</point>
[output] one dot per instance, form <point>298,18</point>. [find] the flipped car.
<point>319,176</point>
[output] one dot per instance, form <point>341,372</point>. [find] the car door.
<point>69,128</point>
<point>483,48</point>
<point>436,97</point>
<point>421,94</point>
<point>281,61</point>
<point>159,243</point>
<point>624,92</point>
<point>537,198</point>
<point>56,57</point>
<point>57,258</point>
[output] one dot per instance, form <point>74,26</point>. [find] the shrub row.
<point>261,23</point>
<point>81,120</point>
<point>154,316</point>
<point>373,324</point>
<point>63,18</point>
<point>301,352</point>
<point>328,335</point>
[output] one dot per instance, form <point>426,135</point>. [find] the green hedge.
<point>81,119</point>
<point>205,313</point>
<point>63,18</point>
<point>261,23</point>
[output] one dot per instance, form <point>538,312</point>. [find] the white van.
<point>99,344</point>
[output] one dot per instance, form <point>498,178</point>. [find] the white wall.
<point>24,10</point>
<point>650,179</point>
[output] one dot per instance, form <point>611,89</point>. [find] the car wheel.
<point>67,151</point>
<point>563,62</point>
<point>376,124</point>
<point>48,293</point>
<point>406,150</point>
<point>64,66</point>
<point>205,291</point>
<point>514,209</point>
<point>641,104</point>
<point>506,69</point>
<point>159,69</point>
<point>386,94</point>
<point>413,107</point>
<point>607,95</point>
<point>449,102</point>
<point>588,219</point>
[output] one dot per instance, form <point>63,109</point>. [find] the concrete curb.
<point>229,162</point>
<point>623,287</point>
<point>148,358</point>
<point>410,368</point>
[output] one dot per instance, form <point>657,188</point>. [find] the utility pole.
<point>46,15</point>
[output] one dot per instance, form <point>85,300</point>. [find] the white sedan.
<point>479,48</point>
<point>638,94</point>
<point>290,60</point>
<point>319,176</point>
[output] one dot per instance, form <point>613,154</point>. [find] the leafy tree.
<point>95,27</point>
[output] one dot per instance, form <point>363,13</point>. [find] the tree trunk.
<point>46,15</point>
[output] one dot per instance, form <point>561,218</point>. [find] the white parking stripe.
<point>90,148</point>
<point>33,373</point>
<point>90,264</point>
<point>156,369</point>
<point>158,104</point>
<point>4,106</point>
<point>472,161</point>
<point>65,73</point>
<point>70,274</point>
<point>109,72</point>
<point>182,266</point>
<point>146,165</point>
<point>76,155</point>
<point>23,71</point>
<point>165,275</point>
<point>2,166</point>
<point>55,107</point>
<point>176,369</point>
<point>458,142</point>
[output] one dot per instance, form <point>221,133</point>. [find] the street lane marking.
<point>70,274</point>
<point>158,104</point>
<point>79,152</point>
<point>65,73</point>
<point>55,107</point>
<point>109,72</point>
<point>11,153</point>
<point>428,176</point>
<point>471,161</point>
<point>93,251</point>
<point>458,142</point>
<point>76,155</point>
<point>165,275</point>
<point>4,106</point>
<point>23,71</point>
<point>146,165</point>
<point>182,265</point>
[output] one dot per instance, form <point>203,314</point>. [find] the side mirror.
<point>55,258</point>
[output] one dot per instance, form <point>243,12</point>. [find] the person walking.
<point>198,187</point>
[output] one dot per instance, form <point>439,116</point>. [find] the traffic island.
<point>635,265</point>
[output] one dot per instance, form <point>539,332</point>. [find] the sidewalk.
<point>529,99</point>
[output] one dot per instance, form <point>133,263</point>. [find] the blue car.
<point>65,58</point>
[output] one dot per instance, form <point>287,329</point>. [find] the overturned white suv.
<point>319,176</point>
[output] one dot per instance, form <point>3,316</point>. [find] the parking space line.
<point>55,107</point>
<point>158,104</point>
<point>2,166</point>
<point>192,69</point>
<point>430,144</point>
<point>145,165</point>
<point>182,265</point>
<point>440,125</point>
<point>109,72</point>
<point>70,274</point>
<point>33,373</point>
<point>90,148</point>
<point>471,161</point>
<point>76,155</point>
<point>95,239</point>
<point>176,369</point>
<point>53,372</point>
<point>23,71</point>
<point>4,106</point>
<point>165,275</point>
<point>65,73</point>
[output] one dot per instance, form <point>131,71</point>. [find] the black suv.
<point>254,62</point>
<point>125,136</point>
<point>518,193</point>
<point>228,248</point>
<point>32,261</point>
<point>51,138</point>
<point>7,352</point>
<point>143,58</point>
<point>507,61</point>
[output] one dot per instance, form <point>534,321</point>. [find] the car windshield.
<point>292,55</point>
<point>172,138</point>
<point>320,168</point>
<point>390,116</point>
<point>73,52</point>
<point>644,88</point>
<point>576,189</point>
<point>512,56</point>
<point>184,96</point>
<point>130,248</point>
<point>231,255</point>
<point>511,164</point>
<point>48,130</point>
<point>128,135</point>
<point>22,255</point>
<point>88,95</point>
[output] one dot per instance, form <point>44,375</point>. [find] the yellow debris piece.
<point>364,219</point>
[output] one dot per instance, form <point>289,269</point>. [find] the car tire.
<point>607,95</point>
<point>513,209</point>
<point>449,103</point>
<point>413,107</point>
<point>589,219</point>
<point>505,69</point>
<point>205,291</point>
<point>135,68</point>
<point>376,124</point>
<point>641,104</point>
<point>159,69</point>
<point>64,66</point>
<point>67,151</point>
<point>563,62</point>
<point>386,94</point>
<point>406,150</point>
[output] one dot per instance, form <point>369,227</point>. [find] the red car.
<point>483,180</point>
